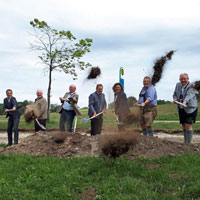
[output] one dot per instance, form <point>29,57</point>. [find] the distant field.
<point>165,112</point>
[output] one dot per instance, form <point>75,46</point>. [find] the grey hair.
<point>72,85</point>
<point>184,74</point>
<point>39,90</point>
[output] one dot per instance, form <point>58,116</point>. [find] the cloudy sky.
<point>128,33</point>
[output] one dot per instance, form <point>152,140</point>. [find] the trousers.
<point>13,123</point>
<point>96,125</point>
<point>66,119</point>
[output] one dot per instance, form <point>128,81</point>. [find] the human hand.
<point>185,103</point>
<point>6,110</point>
<point>95,114</point>
<point>117,117</point>
<point>174,101</point>
<point>135,104</point>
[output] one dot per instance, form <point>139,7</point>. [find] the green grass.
<point>46,178</point>
<point>165,112</point>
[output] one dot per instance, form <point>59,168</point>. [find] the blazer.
<point>73,100</point>
<point>9,105</point>
<point>121,104</point>
<point>189,95</point>
<point>42,107</point>
<point>96,103</point>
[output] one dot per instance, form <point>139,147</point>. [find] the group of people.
<point>184,96</point>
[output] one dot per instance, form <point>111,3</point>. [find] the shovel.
<point>181,104</point>
<point>75,123</point>
<point>119,123</point>
<point>88,119</point>
<point>40,125</point>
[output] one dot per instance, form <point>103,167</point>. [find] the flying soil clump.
<point>31,113</point>
<point>94,72</point>
<point>114,145</point>
<point>159,67</point>
<point>196,85</point>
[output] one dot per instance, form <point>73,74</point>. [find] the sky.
<point>128,33</point>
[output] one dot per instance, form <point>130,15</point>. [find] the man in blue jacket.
<point>10,107</point>
<point>185,94</point>
<point>147,102</point>
<point>97,104</point>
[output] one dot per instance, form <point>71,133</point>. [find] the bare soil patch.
<point>88,194</point>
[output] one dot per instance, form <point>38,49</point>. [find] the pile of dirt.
<point>55,144</point>
<point>150,147</point>
<point>81,144</point>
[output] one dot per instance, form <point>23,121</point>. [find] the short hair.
<point>72,85</point>
<point>8,90</point>
<point>147,77</point>
<point>184,74</point>
<point>113,88</point>
<point>39,90</point>
<point>98,85</point>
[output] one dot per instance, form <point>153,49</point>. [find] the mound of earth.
<point>55,144</point>
<point>150,147</point>
<point>78,144</point>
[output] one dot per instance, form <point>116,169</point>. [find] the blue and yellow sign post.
<point>121,76</point>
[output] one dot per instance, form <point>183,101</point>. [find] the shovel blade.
<point>85,120</point>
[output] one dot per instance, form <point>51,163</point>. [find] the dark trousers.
<point>13,123</point>
<point>37,127</point>
<point>66,118</point>
<point>96,125</point>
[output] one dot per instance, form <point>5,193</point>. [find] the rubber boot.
<point>185,135</point>
<point>144,131</point>
<point>189,136</point>
<point>150,133</point>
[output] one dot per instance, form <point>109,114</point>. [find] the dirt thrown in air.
<point>94,72</point>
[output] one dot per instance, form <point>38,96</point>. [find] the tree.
<point>60,51</point>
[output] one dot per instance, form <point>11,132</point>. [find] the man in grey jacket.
<point>97,104</point>
<point>41,104</point>
<point>185,94</point>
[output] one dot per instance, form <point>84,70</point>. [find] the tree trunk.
<point>49,94</point>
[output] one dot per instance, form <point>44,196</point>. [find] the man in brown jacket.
<point>68,109</point>
<point>41,104</point>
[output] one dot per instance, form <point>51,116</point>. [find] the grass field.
<point>48,178</point>
<point>165,112</point>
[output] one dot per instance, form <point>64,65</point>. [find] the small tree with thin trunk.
<point>60,51</point>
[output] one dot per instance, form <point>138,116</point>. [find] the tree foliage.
<point>60,50</point>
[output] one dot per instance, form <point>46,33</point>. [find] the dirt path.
<point>4,137</point>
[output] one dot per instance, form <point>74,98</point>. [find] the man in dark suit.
<point>97,104</point>
<point>10,107</point>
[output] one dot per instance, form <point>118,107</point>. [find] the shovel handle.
<point>96,115</point>
<point>179,103</point>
